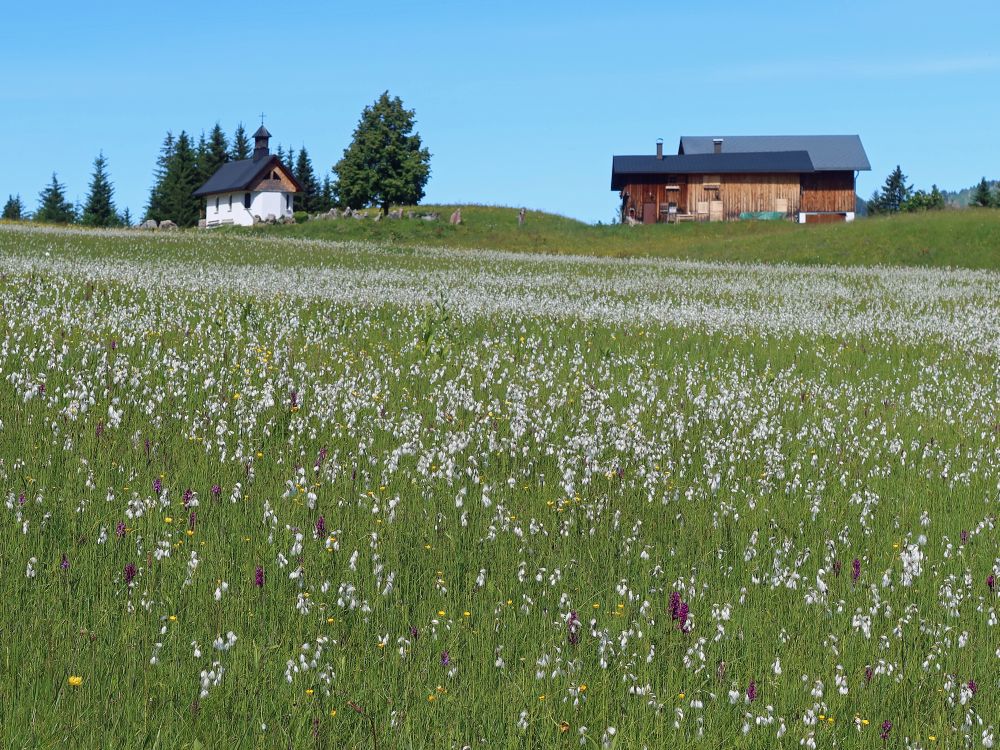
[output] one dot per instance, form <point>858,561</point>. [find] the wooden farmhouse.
<point>804,178</point>
<point>259,188</point>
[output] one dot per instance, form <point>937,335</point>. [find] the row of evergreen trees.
<point>98,210</point>
<point>896,196</point>
<point>183,166</point>
<point>983,196</point>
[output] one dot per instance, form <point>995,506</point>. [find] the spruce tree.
<point>99,208</point>
<point>125,219</point>
<point>180,182</point>
<point>982,196</point>
<point>54,208</point>
<point>895,193</point>
<point>156,208</point>
<point>201,159</point>
<point>385,162</point>
<point>326,198</point>
<point>241,145</point>
<point>309,198</point>
<point>13,209</point>
<point>217,152</point>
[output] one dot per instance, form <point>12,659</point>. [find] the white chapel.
<point>260,188</point>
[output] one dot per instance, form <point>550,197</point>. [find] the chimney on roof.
<point>717,145</point>
<point>659,148</point>
<point>260,139</point>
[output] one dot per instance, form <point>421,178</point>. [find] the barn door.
<point>648,213</point>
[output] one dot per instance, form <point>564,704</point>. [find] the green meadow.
<point>962,239</point>
<point>409,485</point>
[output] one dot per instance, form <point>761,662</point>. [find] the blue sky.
<point>519,103</point>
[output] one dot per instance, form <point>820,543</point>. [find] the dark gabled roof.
<point>234,176</point>
<point>767,162</point>
<point>827,152</point>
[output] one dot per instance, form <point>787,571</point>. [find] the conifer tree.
<point>99,208</point>
<point>180,182</point>
<point>241,145</point>
<point>326,196</point>
<point>982,196</point>
<point>201,158</point>
<point>125,219</point>
<point>13,209</point>
<point>309,198</point>
<point>156,208</point>
<point>216,153</point>
<point>54,208</point>
<point>894,195</point>
<point>385,162</point>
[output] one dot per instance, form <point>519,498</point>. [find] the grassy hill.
<point>969,239</point>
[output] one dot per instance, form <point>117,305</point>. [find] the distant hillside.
<point>969,239</point>
<point>960,198</point>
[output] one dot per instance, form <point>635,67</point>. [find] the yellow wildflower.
<point>75,680</point>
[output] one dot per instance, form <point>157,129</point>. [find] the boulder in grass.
<point>456,217</point>
<point>149,224</point>
<point>202,223</point>
<point>167,225</point>
<point>397,214</point>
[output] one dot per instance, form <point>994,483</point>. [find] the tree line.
<point>385,164</point>
<point>896,196</point>
<point>183,166</point>
<point>98,210</point>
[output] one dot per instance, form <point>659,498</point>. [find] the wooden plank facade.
<point>274,179</point>
<point>692,195</point>
<point>799,177</point>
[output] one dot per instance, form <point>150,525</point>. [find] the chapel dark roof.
<point>261,133</point>
<point>234,176</point>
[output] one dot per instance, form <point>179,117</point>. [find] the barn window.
<point>274,174</point>
<point>711,180</point>
<point>288,202</point>
<point>230,201</point>
<point>216,204</point>
<point>246,201</point>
